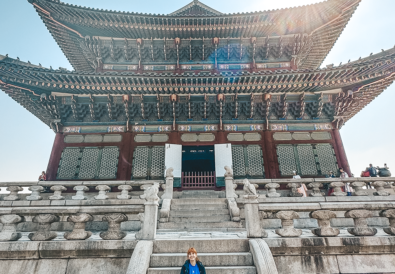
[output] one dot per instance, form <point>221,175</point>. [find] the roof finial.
<point>195,1</point>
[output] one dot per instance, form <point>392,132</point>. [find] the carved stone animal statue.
<point>248,188</point>
<point>229,171</point>
<point>169,172</point>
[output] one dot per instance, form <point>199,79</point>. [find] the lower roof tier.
<point>331,94</point>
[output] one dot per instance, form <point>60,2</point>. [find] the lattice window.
<point>307,161</point>
<point>109,163</point>
<point>286,159</point>
<point>69,163</point>
<point>255,161</point>
<point>326,158</point>
<point>88,163</point>
<point>239,167</point>
<point>247,161</point>
<point>140,162</point>
<point>158,162</point>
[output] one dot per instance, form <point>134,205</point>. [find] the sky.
<point>26,143</point>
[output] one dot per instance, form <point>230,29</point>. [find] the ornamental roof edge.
<point>189,6</point>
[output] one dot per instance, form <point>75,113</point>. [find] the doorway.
<point>198,167</point>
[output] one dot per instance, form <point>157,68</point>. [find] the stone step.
<point>183,226</point>
<point>198,213</point>
<point>198,206</point>
<point>199,197</point>
<point>201,219</point>
<point>201,245</point>
<point>209,270</point>
<point>197,201</point>
<point>204,230</point>
<point>209,259</point>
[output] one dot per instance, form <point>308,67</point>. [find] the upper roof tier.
<point>322,23</point>
<point>352,86</point>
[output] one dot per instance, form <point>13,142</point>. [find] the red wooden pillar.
<point>125,156</point>
<point>271,154</point>
<point>221,137</point>
<point>54,159</point>
<point>341,153</point>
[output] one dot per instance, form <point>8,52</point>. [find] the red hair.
<point>193,250</point>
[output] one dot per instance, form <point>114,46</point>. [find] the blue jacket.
<point>185,267</point>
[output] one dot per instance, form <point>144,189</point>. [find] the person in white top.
<point>302,189</point>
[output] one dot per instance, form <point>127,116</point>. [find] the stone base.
<point>389,230</point>
<point>289,232</point>
<point>339,194</point>
<point>42,236</point>
<point>112,235</point>
<point>381,193</point>
<point>361,193</point>
<point>325,232</point>
<point>10,236</point>
<point>273,195</point>
<point>77,235</point>
<point>295,194</point>
<point>362,231</point>
<point>320,194</point>
<point>236,219</point>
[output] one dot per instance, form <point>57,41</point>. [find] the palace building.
<point>196,90</point>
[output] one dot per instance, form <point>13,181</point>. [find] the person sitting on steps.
<point>193,265</point>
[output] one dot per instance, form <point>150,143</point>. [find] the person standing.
<point>372,171</point>
<point>344,175</point>
<point>193,265</point>
<point>302,189</point>
<point>43,176</point>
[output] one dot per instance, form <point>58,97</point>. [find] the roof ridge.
<point>193,4</point>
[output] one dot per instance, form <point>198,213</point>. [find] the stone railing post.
<point>148,229</point>
<point>13,196</point>
<point>294,190</point>
<point>360,222</point>
<point>79,232</point>
<point>230,186</point>
<point>114,231</point>
<point>103,189</point>
<point>164,213</point>
<point>168,187</point>
<point>80,192</point>
<point>251,211</point>
<point>124,192</point>
<point>8,232</point>
<point>35,195</point>
<point>390,214</point>
<point>287,223</point>
<point>358,188</point>
<point>380,190</point>
<point>43,232</point>
<point>337,189</point>
<point>324,222</point>
<point>316,189</point>
<point>272,193</point>
<point>57,195</point>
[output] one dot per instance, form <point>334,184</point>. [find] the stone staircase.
<point>218,256</point>
<point>200,211</point>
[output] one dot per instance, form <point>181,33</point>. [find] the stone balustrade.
<point>45,216</point>
<point>316,184</point>
<point>324,212</point>
<point>101,188</point>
